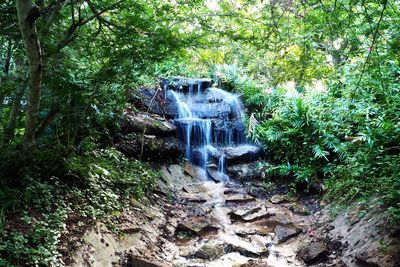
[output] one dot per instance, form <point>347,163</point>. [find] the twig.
<point>372,44</point>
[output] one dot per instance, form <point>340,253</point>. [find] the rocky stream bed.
<point>202,213</point>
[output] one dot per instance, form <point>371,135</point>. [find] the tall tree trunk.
<point>9,131</point>
<point>6,67</point>
<point>27,15</point>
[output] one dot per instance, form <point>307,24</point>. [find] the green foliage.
<point>30,232</point>
<point>33,217</point>
<point>351,142</point>
<point>110,179</point>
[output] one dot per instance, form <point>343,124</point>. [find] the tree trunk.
<point>27,15</point>
<point>6,67</point>
<point>9,131</point>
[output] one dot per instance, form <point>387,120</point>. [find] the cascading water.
<point>209,122</point>
<point>207,119</point>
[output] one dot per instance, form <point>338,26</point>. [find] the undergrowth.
<point>346,141</point>
<point>96,186</point>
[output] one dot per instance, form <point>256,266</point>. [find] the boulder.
<point>364,259</point>
<point>240,199</point>
<point>250,218</point>
<point>148,123</point>
<point>184,84</point>
<point>215,175</point>
<point>313,253</point>
<point>253,263</point>
<point>245,251</point>
<point>210,251</point>
<point>137,262</point>
<point>196,226</point>
<point>166,108</point>
<point>242,154</point>
<point>160,148</point>
<point>283,233</point>
<point>278,199</point>
<point>244,172</point>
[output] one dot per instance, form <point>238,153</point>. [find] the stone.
<point>315,252</point>
<point>137,262</point>
<point>146,99</point>
<point>283,233</point>
<point>246,252</point>
<point>183,83</point>
<point>210,251</point>
<point>148,123</point>
<point>195,227</point>
<point>160,148</point>
<point>244,172</point>
<point>299,209</point>
<point>253,263</point>
<point>214,174</point>
<point>363,259</point>
<point>253,215</point>
<point>278,199</point>
<point>190,170</point>
<point>240,199</point>
<point>242,154</point>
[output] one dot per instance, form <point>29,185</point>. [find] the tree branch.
<point>372,44</point>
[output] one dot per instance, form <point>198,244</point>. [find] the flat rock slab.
<point>136,262</point>
<point>210,251</point>
<point>199,228</point>
<point>240,199</point>
<point>253,263</point>
<point>313,253</point>
<point>245,251</point>
<point>278,199</point>
<point>147,123</point>
<point>242,154</point>
<point>252,215</point>
<point>284,233</point>
<point>244,172</point>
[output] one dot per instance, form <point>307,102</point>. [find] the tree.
<point>28,13</point>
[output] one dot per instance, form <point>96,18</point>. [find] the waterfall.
<point>207,120</point>
<point>183,109</point>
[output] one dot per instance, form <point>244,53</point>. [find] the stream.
<point>235,228</point>
<point>205,209</point>
<point>200,212</point>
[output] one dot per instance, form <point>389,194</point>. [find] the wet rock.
<point>244,172</point>
<point>183,84</point>
<point>146,99</point>
<point>257,230</point>
<point>253,215</point>
<point>210,251</point>
<point>246,252</point>
<point>215,174</point>
<point>195,228</point>
<point>253,263</point>
<point>356,215</point>
<point>189,169</point>
<point>240,199</point>
<point>161,148</point>
<point>313,253</point>
<point>148,123</point>
<point>194,199</point>
<point>364,259</point>
<point>137,262</point>
<point>278,199</point>
<point>242,154</point>
<point>283,233</point>
<point>299,209</point>
<point>231,191</point>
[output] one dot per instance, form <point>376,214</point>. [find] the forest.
<point>319,82</point>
